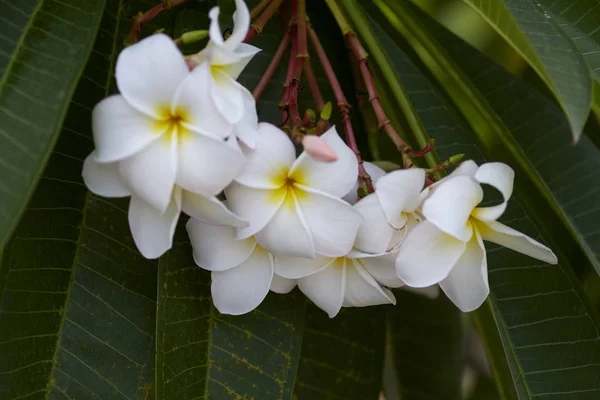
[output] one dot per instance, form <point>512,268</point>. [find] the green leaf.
<point>548,326</point>
<point>426,346</point>
<point>549,51</point>
<point>44,47</point>
<point>203,354</point>
<point>77,300</point>
<point>342,358</point>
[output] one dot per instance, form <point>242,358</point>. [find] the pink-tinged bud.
<point>191,63</point>
<point>318,149</point>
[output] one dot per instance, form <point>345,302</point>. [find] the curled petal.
<point>299,267</point>
<point>500,176</point>
<point>467,284</point>
<point>244,53</point>
<point>334,178</point>
<point>257,206</point>
<point>247,129</point>
<point>103,179</point>
<point>375,232</point>
<point>287,232</point>
<point>120,130</point>
<point>332,222</point>
<point>282,285</point>
<point>241,289</point>
<point>267,167</point>
<point>382,267</point>
<point>451,204</point>
<point>327,287</point>
<point>206,165</point>
<point>194,103</point>
<point>153,231</point>
<point>398,192</point>
<point>468,168</point>
<point>427,255</point>
<point>241,24</point>
<point>151,173</point>
<point>374,172</point>
<point>210,210</point>
<point>362,290</point>
<point>148,73</point>
<point>215,248</point>
<point>501,234</point>
<point>214,30</point>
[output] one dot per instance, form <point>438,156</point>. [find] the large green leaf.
<point>44,45</point>
<point>203,354</point>
<point>549,329</point>
<point>342,358</point>
<point>77,300</point>
<point>426,346</point>
<point>547,48</point>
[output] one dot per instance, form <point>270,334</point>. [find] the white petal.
<point>247,129</point>
<point>374,172</point>
<point>194,103</point>
<point>209,210</point>
<point>227,95</point>
<point>206,165</point>
<point>299,267</point>
<point>215,248</point>
<point>287,232</point>
<point>501,234</point>
<point>282,285</point>
<point>103,179</point>
<point>326,288</point>
<point>468,167</point>
<point>257,206</point>
<point>335,178</point>
<point>467,284</point>
<point>362,290</point>
<point>332,222</point>
<point>269,164</point>
<point>399,191</point>
<point>241,289</point>
<point>241,24</point>
<point>427,255</point>
<point>244,54</point>
<point>214,30</point>
<point>500,176</point>
<point>120,130</point>
<point>374,232</point>
<point>431,292</point>
<point>148,73</point>
<point>152,231</point>
<point>382,267</point>
<point>151,173</point>
<point>451,204</point>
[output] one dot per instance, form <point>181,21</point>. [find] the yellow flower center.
<point>171,122</point>
<point>287,187</point>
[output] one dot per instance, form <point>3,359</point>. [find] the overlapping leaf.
<point>44,45</point>
<point>546,47</point>
<point>550,329</point>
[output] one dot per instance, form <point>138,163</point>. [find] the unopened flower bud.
<point>318,149</point>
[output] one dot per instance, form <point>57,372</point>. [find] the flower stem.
<point>284,103</point>
<point>143,18</point>
<point>260,23</point>
<point>314,86</point>
<point>300,56</point>
<point>264,80</point>
<point>258,9</point>
<point>365,186</point>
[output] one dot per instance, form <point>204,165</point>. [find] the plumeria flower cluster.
<point>183,131</point>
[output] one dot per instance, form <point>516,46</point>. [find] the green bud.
<point>455,159</point>
<point>193,36</point>
<point>326,112</point>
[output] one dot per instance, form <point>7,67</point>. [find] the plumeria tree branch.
<point>258,25</point>
<point>270,71</point>
<point>143,18</point>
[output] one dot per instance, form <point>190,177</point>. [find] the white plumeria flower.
<point>227,59</point>
<point>374,172</point>
<point>447,247</point>
<point>336,282</point>
<point>282,285</point>
<point>163,128</point>
<point>152,230</point>
<point>242,271</point>
<point>293,206</point>
<point>391,211</point>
